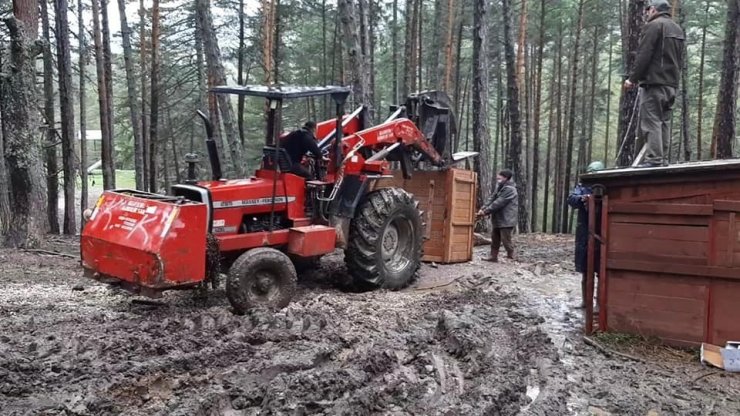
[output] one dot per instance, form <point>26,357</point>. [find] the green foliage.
<point>312,52</point>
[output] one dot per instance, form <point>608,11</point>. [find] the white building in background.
<point>93,139</point>
<point>91,135</point>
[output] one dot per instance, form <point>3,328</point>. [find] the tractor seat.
<point>271,156</point>
<point>317,184</point>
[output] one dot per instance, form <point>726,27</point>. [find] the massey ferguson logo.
<point>252,202</point>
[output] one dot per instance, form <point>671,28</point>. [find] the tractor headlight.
<point>86,214</point>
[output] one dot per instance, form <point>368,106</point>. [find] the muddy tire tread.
<point>251,260</point>
<point>361,256</point>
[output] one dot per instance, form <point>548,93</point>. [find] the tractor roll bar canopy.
<point>281,92</point>
<point>275,94</point>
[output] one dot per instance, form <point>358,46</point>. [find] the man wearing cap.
<point>503,204</point>
<point>657,69</point>
<point>578,199</point>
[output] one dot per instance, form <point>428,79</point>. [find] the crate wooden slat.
<point>448,199</point>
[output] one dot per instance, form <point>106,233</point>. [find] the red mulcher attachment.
<point>147,242</point>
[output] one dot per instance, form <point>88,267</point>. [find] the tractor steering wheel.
<point>315,167</point>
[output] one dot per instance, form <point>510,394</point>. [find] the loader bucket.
<point>146,242</point>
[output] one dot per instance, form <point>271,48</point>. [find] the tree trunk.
<point>154,102</point>
<point>201,72</point>
<point>359,67</point>
<point>572,119</point>
<point>69,156</point>
<point>268,31</point>
<point>625,136</point>
<point>175,157</point>
<point>275,44</point>
<point>481,136</point>
<point>537,111</point>
<point>83,111</point>
<point>108,71</point>
<point>394,53</point>
<point>558,151</point>
<point>217,76</point>
<point>685,132</point>
<point>582,121</point>
<point>514,159</point>
<point>240,74</point>
<point>548,157</point>
<point>106,154</point>
<point>608,99</point>
<point>409,66</point>
<point>22,153</point>
<point>592,95</point>
<point>52,166</point>
<point>446,66</point>
<point>325,110</point>
<point>522,44</point>
<point>145,141</point>
<point>132,101</point>
<point>419,39</point>
<point>165,165</point>
<point>438,28</point>
<point>723,135</point>
<point>458,61</point>
<point>367,44</point>
<point>700,95</point>
<point>5,214</point>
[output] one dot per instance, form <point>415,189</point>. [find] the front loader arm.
<point>402,131</point>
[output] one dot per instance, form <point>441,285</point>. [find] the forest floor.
<point>466,339</point>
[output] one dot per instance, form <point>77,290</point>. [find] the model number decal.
<point>252,202</point>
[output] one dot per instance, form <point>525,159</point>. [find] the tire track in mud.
<point>329,352</point>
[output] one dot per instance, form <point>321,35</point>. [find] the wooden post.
<point>589,301</point>
<point>603,280</point>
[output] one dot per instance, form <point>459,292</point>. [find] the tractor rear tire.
<point>385,240</point>
<point>261,278</point>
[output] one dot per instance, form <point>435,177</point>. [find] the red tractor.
<point>260,227</point>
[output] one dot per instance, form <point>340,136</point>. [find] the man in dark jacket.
<point>297,144</point>
<point>578,199</point>
<point>657,69</point>
<point>504,205</point>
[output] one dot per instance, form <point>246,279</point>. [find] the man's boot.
<point>583,292</point>
<point>493,258</point>
<point>510,255</point>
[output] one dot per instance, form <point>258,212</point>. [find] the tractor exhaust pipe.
<point>211,147</point>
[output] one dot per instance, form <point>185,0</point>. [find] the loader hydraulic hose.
<point>211,147</point>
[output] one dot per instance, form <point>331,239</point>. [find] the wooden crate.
<point>448,200</point>
<point>672,263</point>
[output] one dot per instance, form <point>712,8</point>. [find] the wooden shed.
<point>670,261</point>
<point>448,200</point>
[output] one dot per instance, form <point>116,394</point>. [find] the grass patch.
<point>646,347</point>
<point>124,179</point>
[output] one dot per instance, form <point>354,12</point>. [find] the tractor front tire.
<point>385,240</point>
<point>261,278</point>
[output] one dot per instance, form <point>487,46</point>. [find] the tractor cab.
<point>274,157</point>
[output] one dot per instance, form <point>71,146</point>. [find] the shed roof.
<point>677,169</point>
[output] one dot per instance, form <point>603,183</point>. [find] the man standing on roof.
<point>578,199</point>
<point>503,204</point>
<point>657,69</point>
<point>297,144</point>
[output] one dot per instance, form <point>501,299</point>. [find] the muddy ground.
<point>464,340</point>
